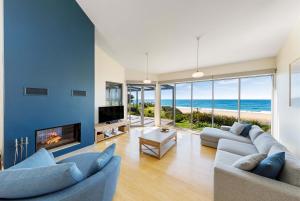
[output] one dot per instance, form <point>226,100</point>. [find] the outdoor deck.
<point>148,121</point>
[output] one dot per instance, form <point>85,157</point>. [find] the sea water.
<point>246,105</point>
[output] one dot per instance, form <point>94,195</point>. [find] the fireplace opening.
<point>54,137</point>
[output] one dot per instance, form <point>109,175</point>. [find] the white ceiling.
<point>234,30</point>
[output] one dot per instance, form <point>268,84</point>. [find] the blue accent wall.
<point>47,44</point>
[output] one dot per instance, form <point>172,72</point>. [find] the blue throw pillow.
<point>105,156</point>
<point>271,166</point>
<point>245,132</point>
<point>41,158</point>
<point>31,182</point>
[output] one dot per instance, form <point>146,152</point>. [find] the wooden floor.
<point>185,173</point>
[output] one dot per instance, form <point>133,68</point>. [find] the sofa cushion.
<point>226,158</point>
<point>237,128</point>
<point>86,163</point>
<point>214,134</point>
<point>41,158</point>
<point>105,156</point>
<point>245,132</point>
<point>235,147</point>
<point>209,143</point>
<point>276,148</point>
<point>254,132</point>
<point>31,182</point>
<point>249,162</point>
<point>264,143</point>
<point>291,170</point>
<point>271,166</point>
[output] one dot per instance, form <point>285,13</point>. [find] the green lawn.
<point>183,124</point>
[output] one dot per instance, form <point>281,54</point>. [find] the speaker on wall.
<point>79,93</point>
<point>30,91</point>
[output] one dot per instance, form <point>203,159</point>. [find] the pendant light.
<point>147,80</point>
<point>198,73</point>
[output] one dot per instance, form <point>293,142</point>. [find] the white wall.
<point>106,69</point>
<point>1,78</point>
<point>287,118</point>
<point>134,75</point>
<point>254,65</point>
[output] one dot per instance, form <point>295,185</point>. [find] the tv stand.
<point>112,122</point>
<point>100,129</point>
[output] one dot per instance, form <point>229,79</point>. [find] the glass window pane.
<point>183,105</point>
<point>134,100</point>
<point>149,104</point>
<point>129,102</point>
<point>256,99</point>
<point>225,102</point>
<point>202,105</point>
<point>167,104</point>
<point>113,94</point>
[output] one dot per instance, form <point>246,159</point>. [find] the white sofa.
<point>233,184</point>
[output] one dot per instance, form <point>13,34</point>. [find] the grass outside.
<point>183,124</point>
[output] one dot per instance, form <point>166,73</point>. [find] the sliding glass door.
<point>134,105</point>
<point>149,105</point>
<point>167,103</point>
<point>141,103</point>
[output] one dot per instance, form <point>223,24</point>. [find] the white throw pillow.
<point>237,128</point>
<point>254,132</point>
<point>249,162</point>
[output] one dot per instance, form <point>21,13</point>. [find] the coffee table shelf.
<point>157,143</point>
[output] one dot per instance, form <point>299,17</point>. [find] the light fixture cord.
<point>147,65</point>
<point>198,38</point>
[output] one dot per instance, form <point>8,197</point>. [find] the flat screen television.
<point>111,113</point>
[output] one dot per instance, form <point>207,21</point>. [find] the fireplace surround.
<point>50,138</point>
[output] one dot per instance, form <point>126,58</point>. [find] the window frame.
<point>213,95</point>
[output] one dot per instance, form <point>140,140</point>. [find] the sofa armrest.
<point>100,186</point>
<point>232,184</point>
<point>225,128</point>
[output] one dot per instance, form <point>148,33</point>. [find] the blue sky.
<point>251,88</point>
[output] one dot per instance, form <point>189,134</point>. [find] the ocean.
<point>246,105</point>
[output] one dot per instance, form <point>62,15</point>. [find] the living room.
<point>138,100</point>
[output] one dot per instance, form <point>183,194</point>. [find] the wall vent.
<point>79,93</point>
<point>29,91</point>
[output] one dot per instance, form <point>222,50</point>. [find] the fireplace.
<point>54,137</point>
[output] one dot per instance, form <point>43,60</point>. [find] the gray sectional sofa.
<point>233,184</point>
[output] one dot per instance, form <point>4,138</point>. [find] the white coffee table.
<point>157,143</point>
